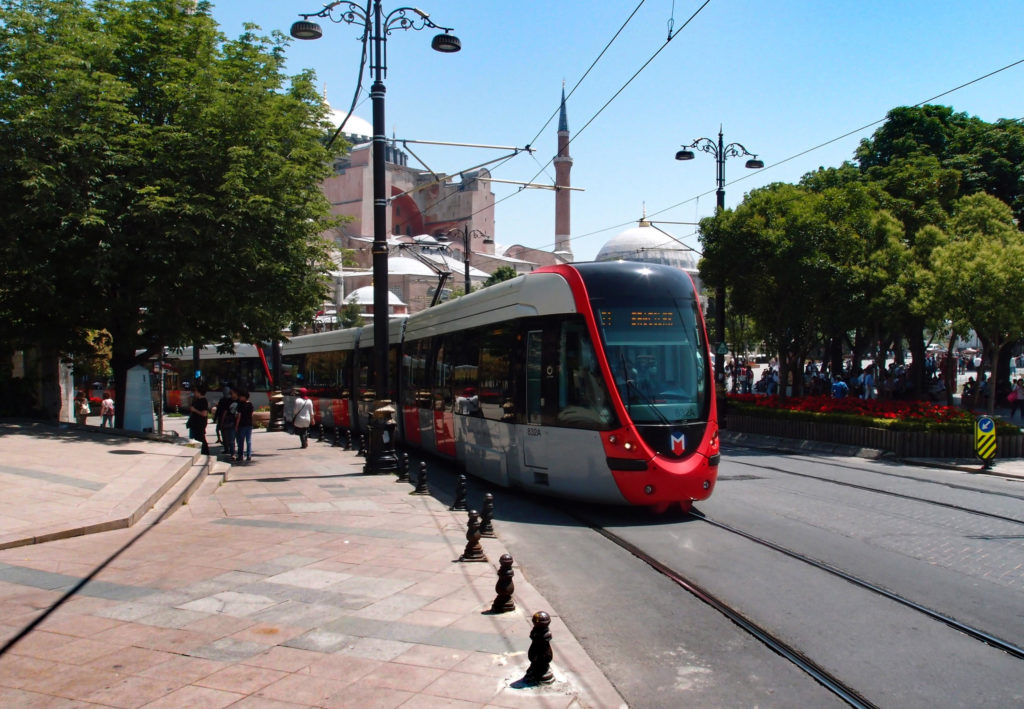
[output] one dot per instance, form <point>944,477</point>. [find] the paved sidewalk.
<point>295,581</point>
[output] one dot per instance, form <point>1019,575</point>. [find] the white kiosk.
<point>138,401</point>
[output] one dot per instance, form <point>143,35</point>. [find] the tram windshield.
<point>657,358</point>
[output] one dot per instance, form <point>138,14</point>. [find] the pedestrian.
<point>229,404</point>
<point>303,417</point>
<point>839,388</point>
<point>243,427</point>
<point>199,411</point>
<point>81,407</point>
<point>1016,398</point>
<point>220,409</point>
<point>869,383</point>
<point>107,411</point>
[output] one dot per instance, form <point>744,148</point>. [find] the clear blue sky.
<point>781,77</point>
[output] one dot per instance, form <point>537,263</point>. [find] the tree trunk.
<point>992,355</point>
<point>51,392</point>
<point>949,370</point>
<point>916,337</point>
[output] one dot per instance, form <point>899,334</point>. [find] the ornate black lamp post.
<point>721,152</point>
<point>467,235</point>
<point>377,26</point>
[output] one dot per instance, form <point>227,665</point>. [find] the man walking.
<point>243,427</point>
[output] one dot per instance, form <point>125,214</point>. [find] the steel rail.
<point>818,673</point>
<point>900,495</point>
<point>973,632</point>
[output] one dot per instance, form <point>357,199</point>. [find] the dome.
<point>647,244</point>
<point>364,296</point>
<point>353,126</point>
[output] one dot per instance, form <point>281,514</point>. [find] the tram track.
<point>889,493</point>
<point>898,476</point>
<point>828,680</point>
<point>973,632</point>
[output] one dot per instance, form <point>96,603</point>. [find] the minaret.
<point>563,165</point>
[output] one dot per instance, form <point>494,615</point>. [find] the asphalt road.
<point>951,542</point>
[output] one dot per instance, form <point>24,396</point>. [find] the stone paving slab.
<point>61,481</point>
<point>264,591</point>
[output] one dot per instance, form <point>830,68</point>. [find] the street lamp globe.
<point>446,43</point>
<point>304,29</point>
<point>684,155</point>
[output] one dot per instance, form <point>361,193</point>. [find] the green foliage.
<point>863,252</point>
<point>349,316</point>
<point>503,273</point>
<point>161,180</point>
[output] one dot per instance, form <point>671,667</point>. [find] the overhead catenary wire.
<point>805,152</point>
<point>606,104</point>
<point>556,111</point>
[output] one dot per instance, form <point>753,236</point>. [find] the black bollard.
<point>503,602</point>
<point>460,494</point>
<point>473,552</point>
<point>362,445</point>
<point>320,434</point>
<point>539,671</point>
<point>487,516</point>
<point>421,482</point>
<point>337,437</point>
<point>348,440</point>
<point>403,468</point>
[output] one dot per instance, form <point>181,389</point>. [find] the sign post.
<point>985,439</point>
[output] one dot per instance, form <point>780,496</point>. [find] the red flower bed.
<point>917,411</point>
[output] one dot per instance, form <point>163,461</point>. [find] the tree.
<point>772,254</point>
<point>161,182</point>
<point>503,273</point>
<point>977,275</point>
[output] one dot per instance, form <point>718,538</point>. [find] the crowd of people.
<point>894,381</point>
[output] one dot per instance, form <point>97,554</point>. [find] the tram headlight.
<point>628,445</point>
<point>649,489</point>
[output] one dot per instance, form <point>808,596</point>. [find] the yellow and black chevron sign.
<point>985,438</point>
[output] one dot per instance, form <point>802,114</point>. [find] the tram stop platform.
<point>135,572</point>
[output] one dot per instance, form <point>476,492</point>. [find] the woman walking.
<point>303,417</point>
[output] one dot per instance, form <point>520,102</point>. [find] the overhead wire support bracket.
<point>532,185</point>
<point>441,177</point>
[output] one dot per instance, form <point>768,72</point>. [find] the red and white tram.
<point>589,381</point>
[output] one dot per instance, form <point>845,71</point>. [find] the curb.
<point>123,518</point>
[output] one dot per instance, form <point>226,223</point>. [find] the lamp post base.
<point>276,422</point>
<point>381,457</point>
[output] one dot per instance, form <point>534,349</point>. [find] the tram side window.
<point>583,400</point>
<point>324,373</point>
<point>365,379</point>
<point>440,385</point>
<point>293,371</point>
<point>465,367</point>
<point>416,390</point>
<point>495,383</point>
